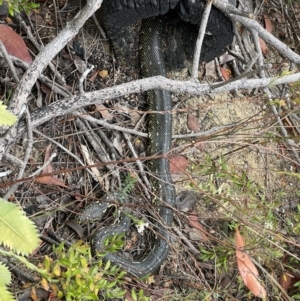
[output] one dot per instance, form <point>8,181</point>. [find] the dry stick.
<point>56,88</point>
<point>138,133</point>
<point>137,86</point>
<point>40,63</point>
<point>9,62</point>
<point>98,147</point>
<point>91,137</point>
<point>239,41</point>
<point>77,168</point>
<point>251,63</point>
<point>39,170</point>
<point>39,47</point>
<point>39,98</point>
<point>200,38</point>
<point>139,164</point>
<point>244,75</point>
<point>113,126</point>
<point>113,152</point>
<point>48,53</point>
<point>5,173</point>
<point>13,267</point>
<point>290,142</point>
<point>64,149</point>
<point>101,30</point>
<point>186,240</point>
<point>273,280</point>
<point>258,53</point>
<point>210,132</point>
<point>248,44</point>
<point>14,160</point>
<point>75,102</point>
<point>28,150</point>
<point>83,77</point>
<point>282,48</point>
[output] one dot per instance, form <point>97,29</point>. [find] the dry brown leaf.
<point>194,223</point>
<point>49,180</point>
<point>45,89</point>
<point>40,16</point>
<point>247,269</point>
<point>225,73</point>
<point>104,112</point>
<point>262,43</point>
<point>14,44</point>
<point>288,279</point>
<point>81,65</point>
<point>38,294</point>
<point>268,24</point>
<point>86,154</point>
<point>192,123</point>
<point>45,284</point>
<point>178,164</point>
<point>128,296</point>
<point>48,168</point>
<point>33,294</point>
<point>263,46</point>
<point>93,76</point>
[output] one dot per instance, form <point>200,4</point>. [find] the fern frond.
<point>128,185</point>
<point>5,295</point>
<point>5,276</point>
<point>17,231</point>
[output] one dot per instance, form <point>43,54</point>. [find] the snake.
<point>159,131</point>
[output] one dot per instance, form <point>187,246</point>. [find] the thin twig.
<point>14,160</point>
<point>9,62</point>
<point>139,164</point>
<point>83,77</point>
<point>5,173</point>
<point>50,159</point>
<point>185,239</point>
<point>48,53</point>
<point>200,38</point>
<point>39,47</point>
<point>28,150</point>
<point>64,149</point>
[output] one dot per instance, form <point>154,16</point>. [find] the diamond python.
<point>116,16</point>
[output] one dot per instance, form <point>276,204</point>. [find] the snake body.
<point>160,131</point>
<point>117,14</point>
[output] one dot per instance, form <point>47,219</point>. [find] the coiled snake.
<point>160,124</point>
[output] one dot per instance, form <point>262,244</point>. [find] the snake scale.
<point>117,14</point>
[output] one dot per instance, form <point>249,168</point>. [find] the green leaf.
<point>17,231</point>
<point>5,276</point>
<point>107,265</point>
<point>6,117</point>
<point>5,295</point>
<point>133,295</point>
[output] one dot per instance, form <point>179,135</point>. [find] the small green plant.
<point>128,185</point>
<point>18,234</point>
<point>16,6</point>
<point>219,255</point>
<point>81,277</point>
